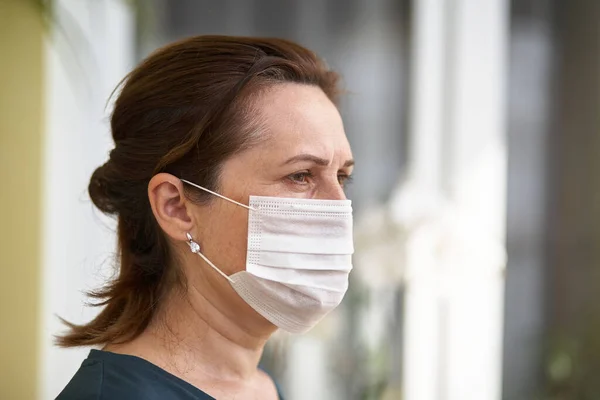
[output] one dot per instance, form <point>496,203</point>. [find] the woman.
<point>227,181</point>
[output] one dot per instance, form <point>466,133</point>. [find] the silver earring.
<point>194,247</point>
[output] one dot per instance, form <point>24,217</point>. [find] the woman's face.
<point>305,154</point>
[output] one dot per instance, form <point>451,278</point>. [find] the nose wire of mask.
<point>298,258</point>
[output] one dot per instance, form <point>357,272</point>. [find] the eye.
<point>344,179</point>
<point>300,178</point>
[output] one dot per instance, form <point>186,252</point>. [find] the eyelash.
<point>343,179</point>
<point>303,175</point>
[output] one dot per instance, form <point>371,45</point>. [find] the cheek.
<point>225,237</point>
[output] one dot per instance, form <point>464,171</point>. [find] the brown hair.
<point>184,110</point>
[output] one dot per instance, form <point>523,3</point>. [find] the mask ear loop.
<point>195,248</point>
<point>219,195</point>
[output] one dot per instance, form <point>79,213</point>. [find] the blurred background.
<point>475,125</point>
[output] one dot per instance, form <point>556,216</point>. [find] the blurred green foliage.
<point>572,364</point>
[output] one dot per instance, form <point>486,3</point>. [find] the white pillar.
<point>455,261</point>
<point>89,50</point>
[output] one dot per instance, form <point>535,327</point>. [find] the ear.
<point>170,206</point>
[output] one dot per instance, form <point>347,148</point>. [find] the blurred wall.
<point>552,332</point>
<point>575,155</point>
<point>455,232</point>
<point>21,109</point>
<point>531,69</point>
<point>573,253</point>
<point>88,50</point>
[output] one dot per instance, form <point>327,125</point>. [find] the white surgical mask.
<point>298,260</point>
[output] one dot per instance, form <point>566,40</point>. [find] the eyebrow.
<point>317,160</point>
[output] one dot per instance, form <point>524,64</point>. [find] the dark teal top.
<point>111,376</point>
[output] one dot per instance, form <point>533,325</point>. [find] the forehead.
<point>301,118</point>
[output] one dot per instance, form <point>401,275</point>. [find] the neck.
<point>196,337</point>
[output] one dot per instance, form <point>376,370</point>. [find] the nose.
<point>331,190</point>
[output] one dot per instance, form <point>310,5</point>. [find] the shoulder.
<point>104,376</point>
<point>97,379</point>
<point>86,384</point>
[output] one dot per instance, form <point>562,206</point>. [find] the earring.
<point>194,247</point>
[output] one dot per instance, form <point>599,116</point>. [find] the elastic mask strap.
<point>218,195</point>
<point>214,266</point>
<point>195,248</point>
